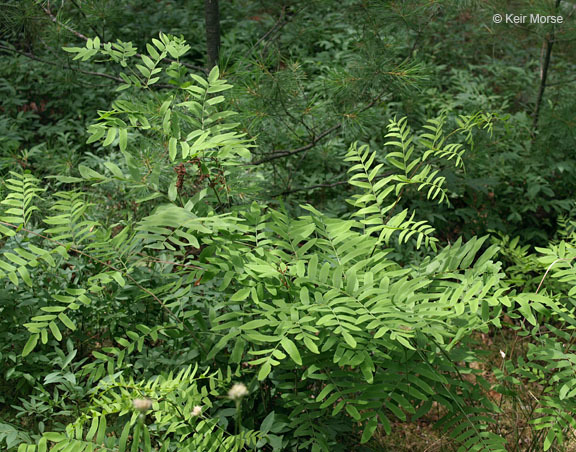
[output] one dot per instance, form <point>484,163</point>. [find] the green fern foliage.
<point>23,191</point>
<point>155,285</point>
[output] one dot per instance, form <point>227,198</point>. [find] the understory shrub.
<point>159,308</point>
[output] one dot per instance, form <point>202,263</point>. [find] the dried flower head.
<point>237,391</point>
<point>196,411</point>
<point>142,404</point>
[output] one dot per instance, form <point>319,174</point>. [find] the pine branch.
<point>280,23</point>
<point>139,55</point>
<point>51,63</point>
<point>281,154</point>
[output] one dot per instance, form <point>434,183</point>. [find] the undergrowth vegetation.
<point>315,245</point>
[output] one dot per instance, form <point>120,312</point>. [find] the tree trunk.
<point>212,15</point>
<point>548,42</point>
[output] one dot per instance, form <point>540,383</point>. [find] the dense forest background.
<point>281,225</point>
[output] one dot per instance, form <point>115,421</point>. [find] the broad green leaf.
<point>111,136</point>
<point>264,371</point>
<point>124,438</point>
<point>292,350</point>
<point>66,321</point>
<point>30,344</point>
<point>369,430</point>
<point>172,148</point>
<point>122,139</point>
<point>254,324</point>
<point>214,75</point>
<point>55,331</point>
<point>267,423</point>
<point>101,435</point>
<point>172,191</point>
<point>349,339</point>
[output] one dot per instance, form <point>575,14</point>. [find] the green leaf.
<point>349,339</point>
<point>42,445</point>
<point>110,136</point>
<point>88,173</point>
<point>353,411</point>
<point>267,423</point>
<point>92,430</point>
<point>172,191</point>
<point>25,275</point>
<point>117,276</point>
<point>101,435</point>
<point>264,371</point>
<point>123,138</point>
<point>114,169</point>
<point>55,331</point>
<point>54,437</point>
<point>166,122</point>
<point>185,149</point>
<point>292,350</point>
<point>369,430</point>
<point>241,295</point>
<point>66,321</point>
<point>253,324</point>
<point>147,442</point>
<point>30,344</point>
<point>214,75</point>
<point>147,61</point>
<point>124,438</point>
<point>325,391</point>
<point>304,295</point>
<point>172,148</point>
<point>311,345</point>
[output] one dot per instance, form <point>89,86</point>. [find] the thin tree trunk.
<point>544,75</point>
<point>212,15</point>
<point>549,42</point>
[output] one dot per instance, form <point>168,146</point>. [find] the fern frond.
<point>23,190</point>
<point>371,205</point>
<point>70,223</point>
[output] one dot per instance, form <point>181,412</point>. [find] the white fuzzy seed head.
<point>142,404</point>
<point>238,391</point>
<point>196,411</point>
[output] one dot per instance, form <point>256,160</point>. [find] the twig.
<point>311,187</point>
<point>280,154</point>
<point>57,22</point>
<point>326,185</point>
<point>35,58</point>
<point>78,7</point>
<point>562,82</point>
<point>139,55</point>
<point>550,268</point>
<point>276,27</point>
